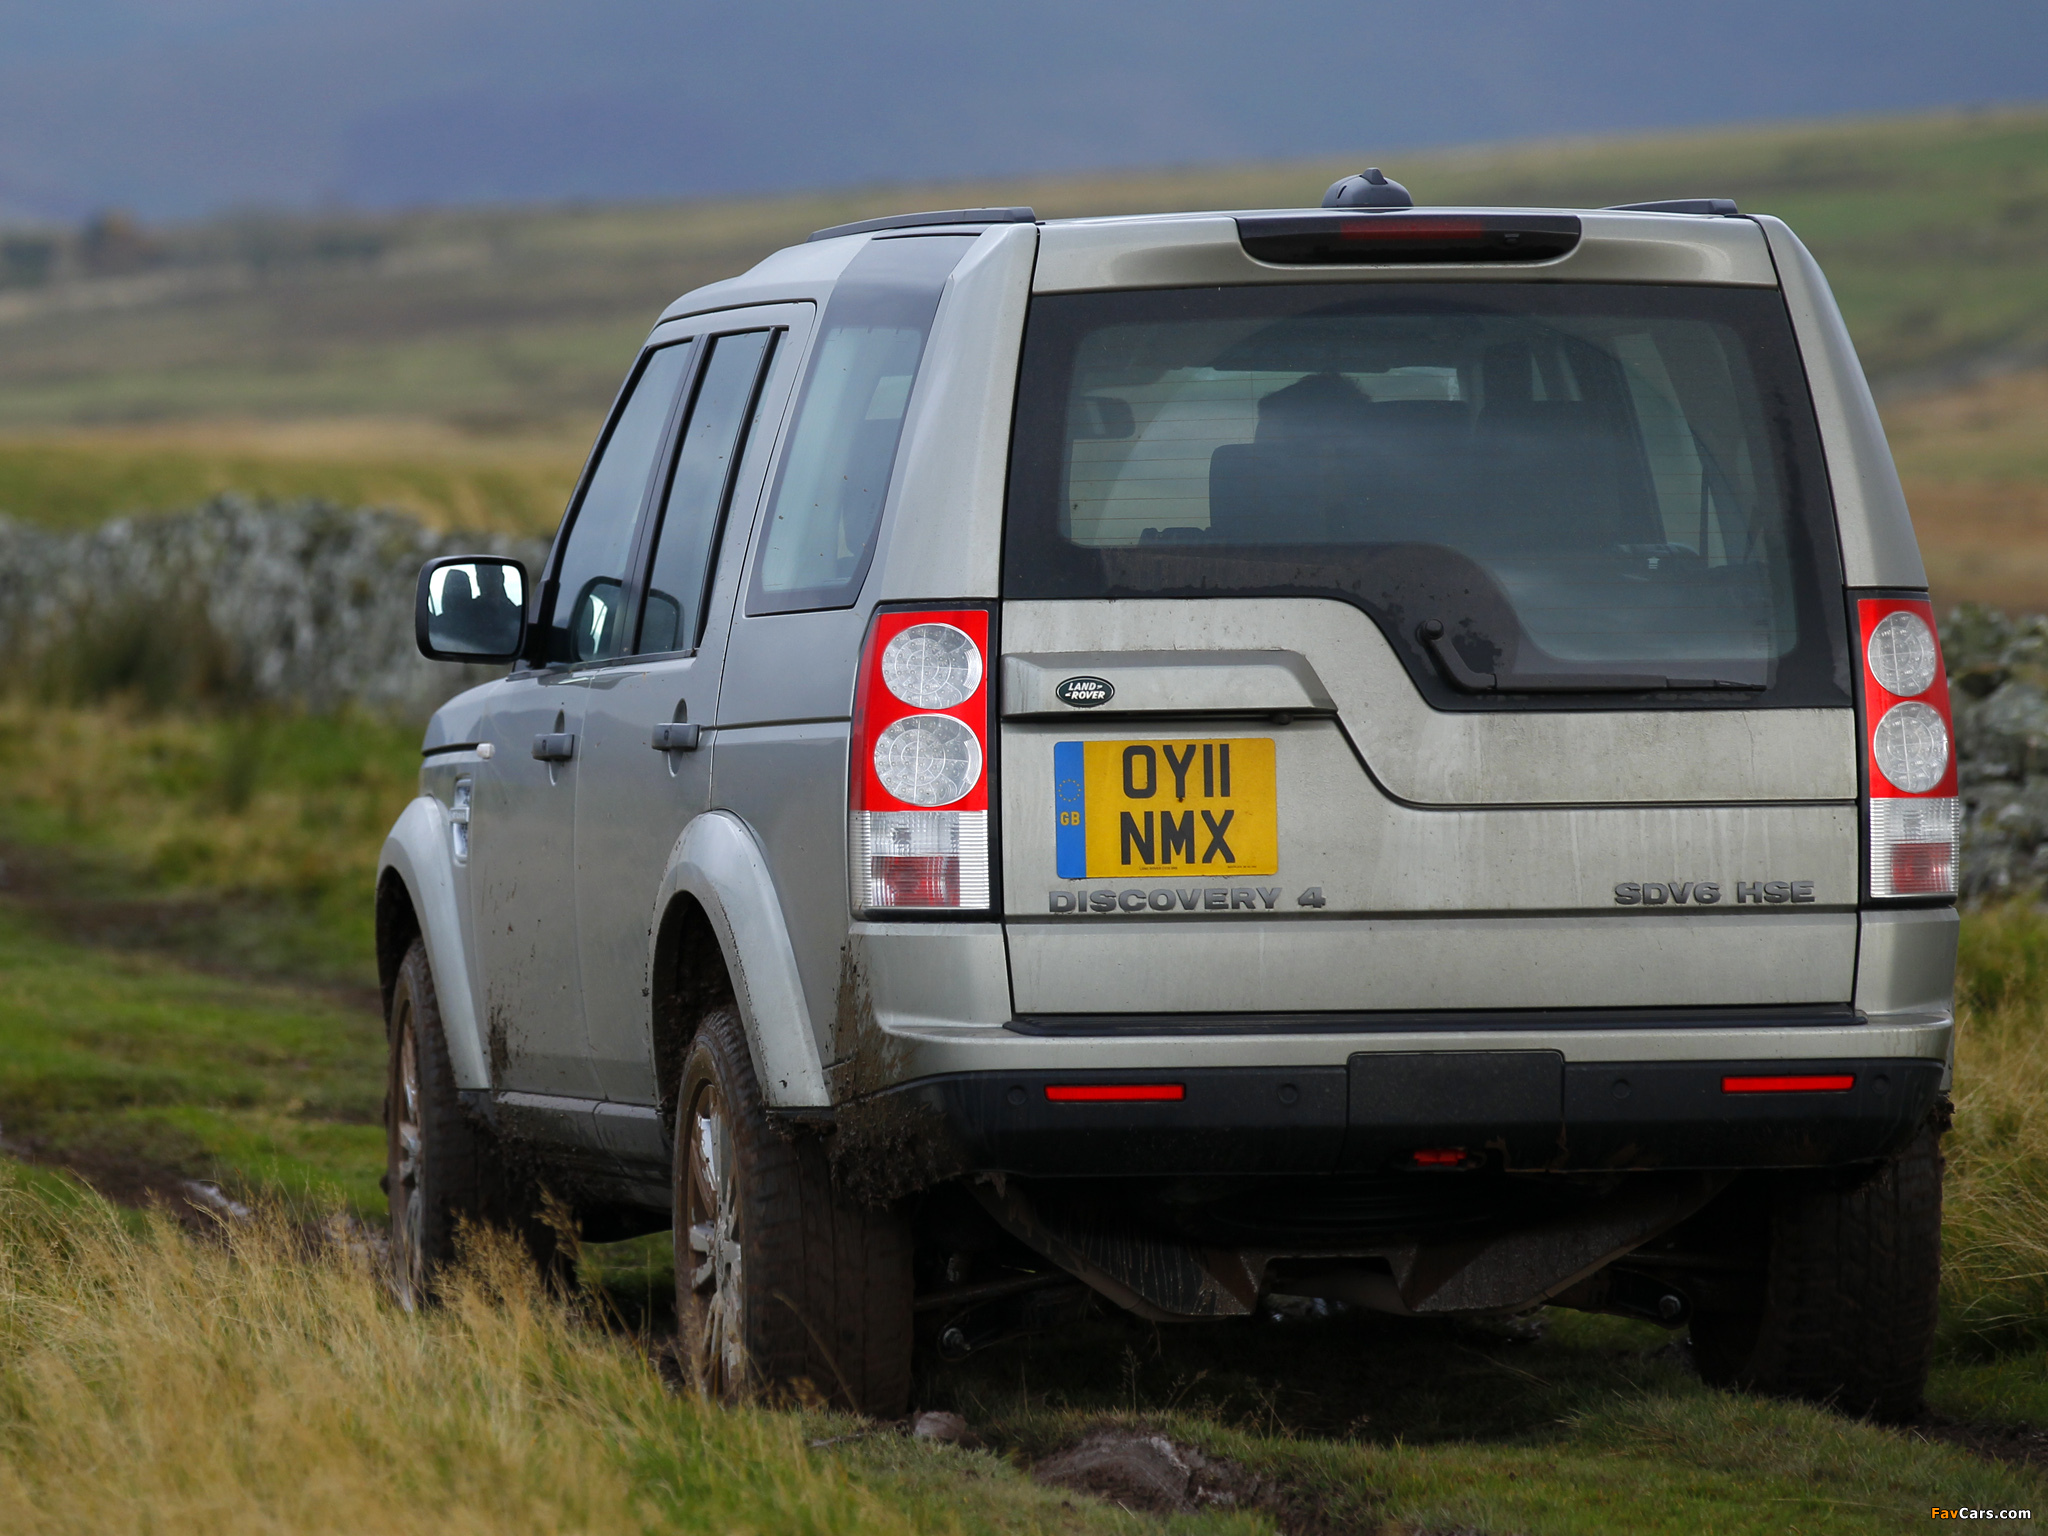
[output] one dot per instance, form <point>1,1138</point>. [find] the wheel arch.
<point>719,894</point>
<point>417,897</point>
<point>689,978</point>
<point>398,924</point>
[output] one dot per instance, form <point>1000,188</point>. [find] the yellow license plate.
<point>1166,807</point>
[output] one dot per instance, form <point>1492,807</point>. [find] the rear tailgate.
<point>1396,857</point>
<point>1517,606</point>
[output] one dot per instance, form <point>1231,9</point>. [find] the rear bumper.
<point>1514,1107</point>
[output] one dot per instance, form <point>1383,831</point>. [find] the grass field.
<point>157,1384</point>
<point>449,478</point>
<point>183,995</point>
<point>1975,464</point>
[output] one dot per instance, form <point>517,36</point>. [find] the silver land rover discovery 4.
<point>1381,754</point>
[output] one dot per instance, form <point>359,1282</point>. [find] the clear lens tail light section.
<point>917,778</point>
<point>1912,814</point>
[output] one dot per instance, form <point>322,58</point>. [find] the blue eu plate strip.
<point>1070,805</point>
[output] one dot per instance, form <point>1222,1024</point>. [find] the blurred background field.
<point>187,848</point>
<point>455,363</point>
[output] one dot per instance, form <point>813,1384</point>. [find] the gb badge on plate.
<point>1166,807</point>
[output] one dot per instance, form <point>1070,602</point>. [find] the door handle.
<point>677,736</point>
<point>555,747</point>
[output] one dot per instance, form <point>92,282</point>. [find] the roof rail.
<point>912,220</point>
<point>1722,206</point>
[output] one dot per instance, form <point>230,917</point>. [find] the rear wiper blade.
<point>1462,675</point>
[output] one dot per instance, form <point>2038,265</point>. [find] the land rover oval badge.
<point>1084,692</point>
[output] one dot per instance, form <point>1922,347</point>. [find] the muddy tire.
<point>784,1287</point>
<point>442,1167</point>
<point>1846,1311</point>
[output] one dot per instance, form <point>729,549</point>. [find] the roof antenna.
<point>1370,190</point>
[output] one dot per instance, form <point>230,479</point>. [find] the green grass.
<point>250,839</point>
<point>136,1067</point>
<point>186,946</point>
<point>1596,1426</point>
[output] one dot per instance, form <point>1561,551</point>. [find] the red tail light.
<point>1807,1082</point>
<point>1912,814</point>
<point>917,777</point>
<point>1441,1157</point>
<point>1116,1093</point>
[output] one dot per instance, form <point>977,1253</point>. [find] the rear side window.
<point>1541,492</point>
<point>834,476</point>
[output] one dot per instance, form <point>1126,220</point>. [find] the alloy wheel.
<point>408,1203</point>
<point>714,1325</point>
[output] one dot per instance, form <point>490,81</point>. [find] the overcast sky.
<point>174,108</point>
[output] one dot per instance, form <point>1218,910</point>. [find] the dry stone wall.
<point>234,602</point>
<point>309,605</point>
<point>1998,683</point>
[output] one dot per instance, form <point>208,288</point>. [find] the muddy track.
<point>68,897</point>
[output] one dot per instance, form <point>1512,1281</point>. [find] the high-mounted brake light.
<point>917,776</point>
<point>1406,237</point>
<point>1912,813</point>
<point>1115,1093</point>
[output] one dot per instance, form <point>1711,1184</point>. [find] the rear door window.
<point>587,618</point>
<point>829,490</point>
<point>686,544</point>
<point>1542,493</point>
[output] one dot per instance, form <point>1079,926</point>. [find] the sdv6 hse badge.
<point>1085,692</point>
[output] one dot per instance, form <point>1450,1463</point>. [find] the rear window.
<point>1572,494</point>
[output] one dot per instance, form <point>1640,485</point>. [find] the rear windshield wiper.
<point>1460,674</point>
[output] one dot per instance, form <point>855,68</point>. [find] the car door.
<point>522,817</point>
<point>637,790</point>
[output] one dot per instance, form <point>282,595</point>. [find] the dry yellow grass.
<point>1983,542</point>
<point>516,480</point>
<point>1975,464</point>
<point>1995,1231</point>
<point>149,1383</point>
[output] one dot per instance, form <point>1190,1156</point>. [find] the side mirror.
<point>471,608</point>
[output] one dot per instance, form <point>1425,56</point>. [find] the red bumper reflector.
<point>1115,1093</point>
<point>1438,1157</point>
<point>1815,1082</point>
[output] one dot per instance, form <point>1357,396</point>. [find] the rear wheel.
<point>780,1281</point>
<point>1846,1310</point>
<point>441,1167</point>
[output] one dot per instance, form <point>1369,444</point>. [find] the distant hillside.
<point>182,110</point>
<point>1934,230</point>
